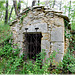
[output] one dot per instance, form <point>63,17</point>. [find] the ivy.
<point>22,17</point>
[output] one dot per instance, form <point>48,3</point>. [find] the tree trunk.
<point>15,6</point>
<point>53,4</point>
<point>11,12</point>
<point>69,9</point>
<point>60,5</point>
<point>38,2</point>
<point>6,13</point>
<point>19,6</point>
<point>33,3</point>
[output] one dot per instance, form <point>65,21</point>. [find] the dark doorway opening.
<point>33,44</point>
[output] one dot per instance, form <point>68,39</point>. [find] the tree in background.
<point>1,6</point>
<point>53,4</point>
<point>60,5</point>
<point>38,2</point>
<point>6,14</point>
<point>2,9</point>
<point>66,6</point>
<point>69,8</point>
<point>19,6</point>
<point>15,6</point>
<point>33,3</point>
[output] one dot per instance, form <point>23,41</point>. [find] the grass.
<point>4,32</point>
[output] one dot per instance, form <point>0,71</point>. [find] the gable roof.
<point>44,9</point>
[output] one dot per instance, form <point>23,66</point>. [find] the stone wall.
<point>50,25</point>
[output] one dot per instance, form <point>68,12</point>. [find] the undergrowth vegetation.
<point>5,32</point>
<point>12,63</point>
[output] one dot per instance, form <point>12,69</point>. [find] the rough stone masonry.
<point>51,26</point>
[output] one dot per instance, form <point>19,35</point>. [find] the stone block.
<point>20,44</point>
<point>49,26</point>
<point>14,32</point>
<point>35,21</point>
<point>58,57</point>
<point>42,14</point>
<point>26,21</point>
<point>57,34</point>
<point>31,28</point>
<point>45,36</point>
<point>47,53</point>
<point>45,44</point>
<point>20,37</point>
<point>16,28</point>
<point>59,21</point>
<point>30,15</point>
<point>58,47</point>
<point>42,27</point>
<point>50,14</point>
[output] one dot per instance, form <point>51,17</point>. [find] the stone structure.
<point>49,23</point>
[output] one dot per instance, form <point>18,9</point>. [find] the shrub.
<point>11,63</point>
<point>5,33</point>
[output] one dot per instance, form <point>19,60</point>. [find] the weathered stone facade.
<point>51,26</point>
